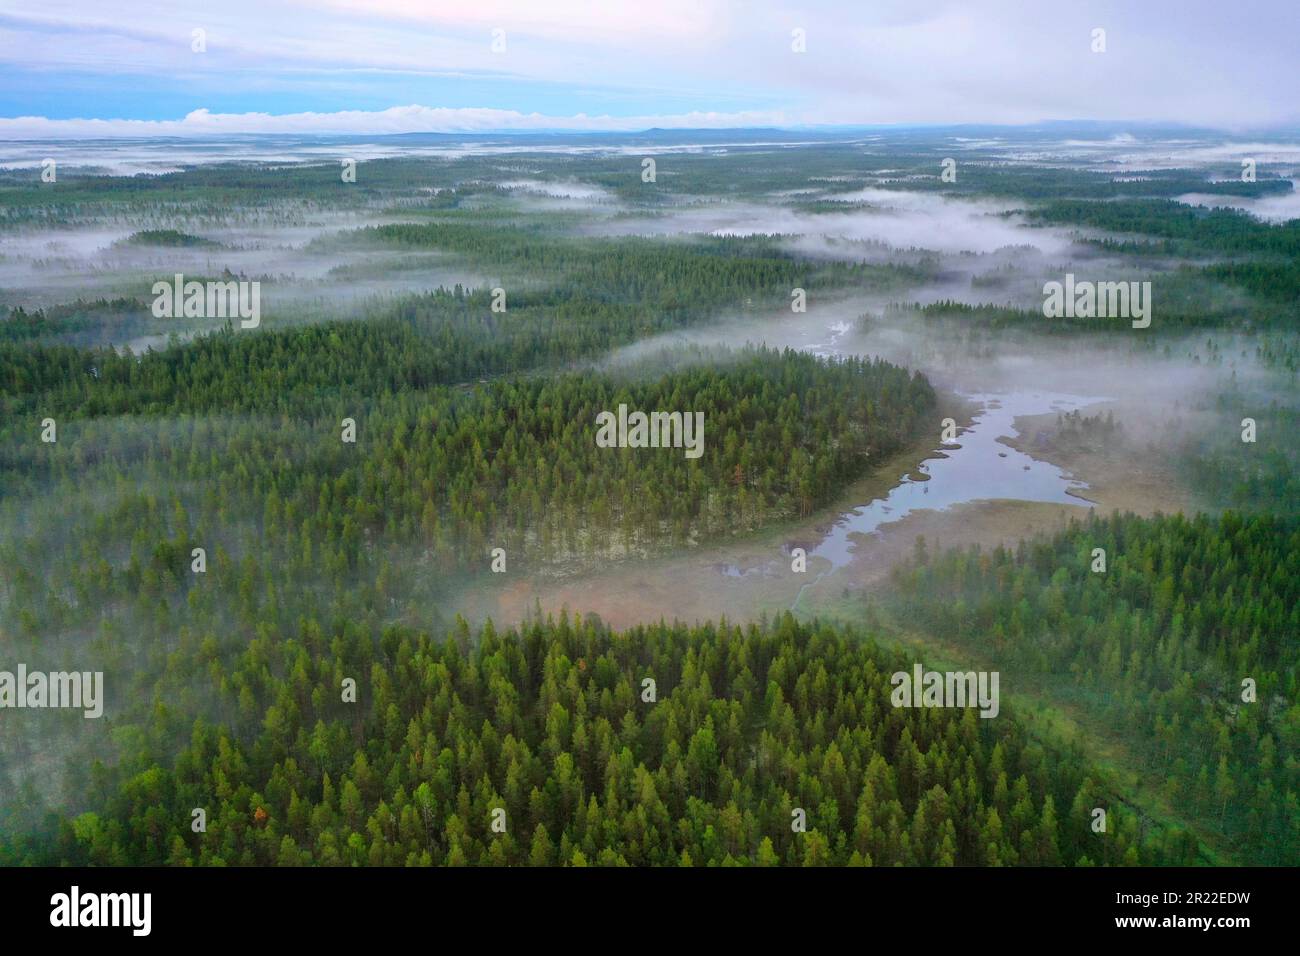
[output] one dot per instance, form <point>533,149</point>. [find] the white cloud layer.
<point>397,119</point>
<point>882,62</point>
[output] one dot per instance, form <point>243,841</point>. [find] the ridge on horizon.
<point>1112,128</point>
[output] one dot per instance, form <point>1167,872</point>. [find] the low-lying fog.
<point>898,219</point>
<point>1161,387</point>
<point>1268,208</point>
<point>44,267</point>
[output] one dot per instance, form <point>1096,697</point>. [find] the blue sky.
<point>77,67</point>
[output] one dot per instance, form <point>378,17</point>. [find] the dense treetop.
<point>1158,647</point>
<point>552,725</point>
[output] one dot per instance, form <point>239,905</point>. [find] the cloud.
<point>884,62</point>
<point>595,20</point>
<point>397,119</point>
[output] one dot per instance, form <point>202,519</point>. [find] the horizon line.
<point>460,122</point>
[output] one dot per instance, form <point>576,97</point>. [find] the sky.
<point>132,68</point>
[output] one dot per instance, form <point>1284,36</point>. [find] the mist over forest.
<point>358,574</point>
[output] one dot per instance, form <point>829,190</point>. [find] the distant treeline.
<point>699,272</point>
<point>1183,227</point>
<point>119,317</point>
<point>1181,300</point>
<point>170,238</point>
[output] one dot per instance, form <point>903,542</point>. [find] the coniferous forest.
<point>365,589</point>
<point>1189,613</point>
<point>661,746</point>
